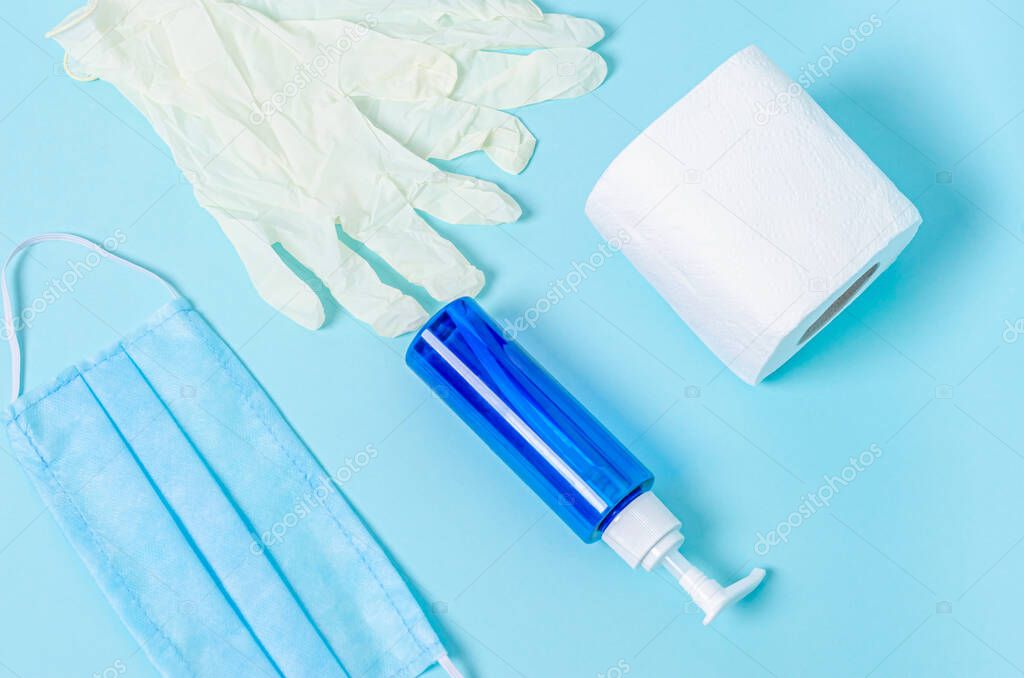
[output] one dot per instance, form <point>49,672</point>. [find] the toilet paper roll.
<point>752,214</point>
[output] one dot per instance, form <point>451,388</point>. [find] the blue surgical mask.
<point>222,543</point>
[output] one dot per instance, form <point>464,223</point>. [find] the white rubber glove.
<point>199,69</point>
<point>470,31</point>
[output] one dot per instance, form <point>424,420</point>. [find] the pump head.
<point>645,533</point>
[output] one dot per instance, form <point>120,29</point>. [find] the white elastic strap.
<point>449,668</point>
<point>12,335</point>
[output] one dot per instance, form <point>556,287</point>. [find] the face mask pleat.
<point>138,553</point>
<point>293,506</point>
<point>213,526</point>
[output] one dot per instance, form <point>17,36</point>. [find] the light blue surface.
<point>914,569</point>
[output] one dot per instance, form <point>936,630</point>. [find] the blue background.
<point>914,568</point>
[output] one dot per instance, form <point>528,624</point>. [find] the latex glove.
<point>197,70</point>
<point>470,31</point>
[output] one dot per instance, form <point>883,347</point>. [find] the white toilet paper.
<point>752,213</point>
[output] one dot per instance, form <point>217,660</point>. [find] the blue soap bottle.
<point>583,473</point>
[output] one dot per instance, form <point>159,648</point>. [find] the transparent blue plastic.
<point>544,434</point>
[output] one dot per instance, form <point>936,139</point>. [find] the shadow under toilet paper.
<point>752,213</point>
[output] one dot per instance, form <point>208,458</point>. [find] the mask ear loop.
<point>9,329</point>
<point>449,667</point>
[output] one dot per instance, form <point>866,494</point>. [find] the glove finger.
<point>275,282</point>
<point>354,283</point>
<point>454,198</point>
<point>406,11</point>
<point>415,250</point>
<point>446,129</point>
<point>503,32</point>
<point>459,199</point>
<point>442,11</point>
<point>500,80</point>
<point>360,61</point>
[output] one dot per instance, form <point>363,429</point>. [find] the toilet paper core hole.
<point>839,304</point>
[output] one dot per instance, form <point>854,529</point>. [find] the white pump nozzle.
<point>709,595</point>
<point>645,533</point>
